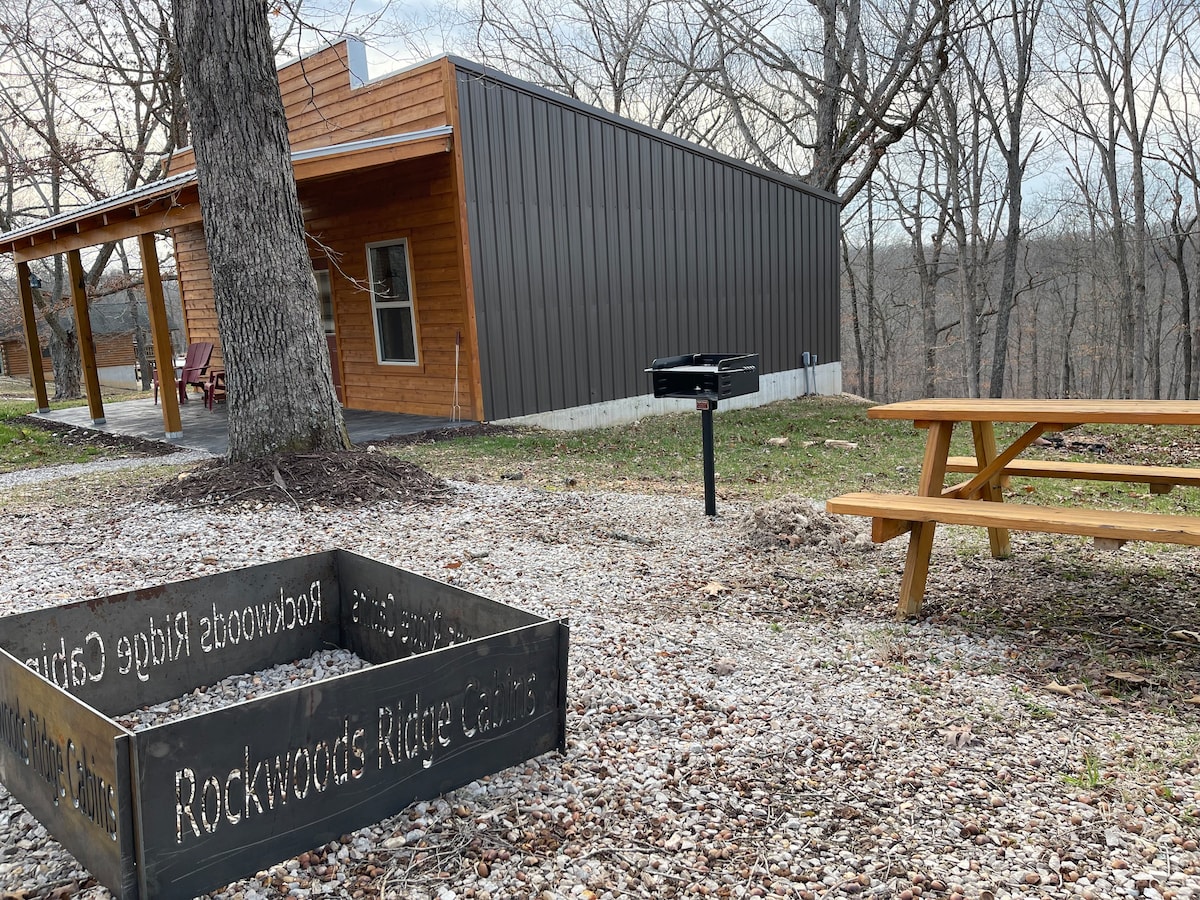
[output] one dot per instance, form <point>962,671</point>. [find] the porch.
<point>209,430</point>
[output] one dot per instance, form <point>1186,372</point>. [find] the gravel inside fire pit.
<point>745,717</point>
<point>238,688</point>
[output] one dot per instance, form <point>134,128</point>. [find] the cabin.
<point>116,359</point>
<point>489,250</point>
<point>116,325</point>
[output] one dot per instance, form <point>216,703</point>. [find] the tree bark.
<point>280,392</point>
<point>63,346</point>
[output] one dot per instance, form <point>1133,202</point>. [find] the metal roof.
<point>181,180</point>
<point>151,191</point>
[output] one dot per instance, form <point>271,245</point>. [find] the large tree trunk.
<point>280,390</point>
<point>64,348</point>
<point>64,357</point>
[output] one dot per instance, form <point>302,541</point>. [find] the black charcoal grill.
<point>706,378</point>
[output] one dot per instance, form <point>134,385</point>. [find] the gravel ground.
<point>745,720</point>
<point>53,473</point>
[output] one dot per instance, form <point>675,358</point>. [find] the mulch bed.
<point>73,436</point>
<point>338,478</point>
<point>435,435</point>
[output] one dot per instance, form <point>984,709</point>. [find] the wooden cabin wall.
<point>116,349</point>
<point>196,290</point>
<point>418,201</point>
<point>323,108</point>
<point>415,200</point>
<point>16,360</point>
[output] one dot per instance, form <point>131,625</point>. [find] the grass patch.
<point>25,446</point>
<point>663,453</point>
<point>1090,776</point>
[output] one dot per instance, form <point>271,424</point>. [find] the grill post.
<point>706,378</point>
<point>710,465</point>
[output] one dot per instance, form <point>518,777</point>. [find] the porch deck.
<point>209,430</point>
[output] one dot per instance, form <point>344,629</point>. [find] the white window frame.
<point>324,281</point>
<point>378,303</point>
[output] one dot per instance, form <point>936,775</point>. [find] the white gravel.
<point>724,740</point>
<point>20,477</point>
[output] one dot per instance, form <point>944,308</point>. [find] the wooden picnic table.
<point>979,499</point>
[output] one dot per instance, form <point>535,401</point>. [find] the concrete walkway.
<point>208,431</point>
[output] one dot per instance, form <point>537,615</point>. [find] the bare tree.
<point>1177,149</point>
<point>825,95</point>
<point>90,106</point>
<point>818,91</point>
<point>635,58</point>
<point>920,197</point>
<point>1109,62</point>
<point>974,200</point>
<point>280,388</point>
<point>1003,85</point>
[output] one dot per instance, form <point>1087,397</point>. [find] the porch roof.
<point>174,200</point>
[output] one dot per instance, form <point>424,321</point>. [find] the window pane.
<point>396,334</point>
<point>389,267</point>
<point>325,295</point>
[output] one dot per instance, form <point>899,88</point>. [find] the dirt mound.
<point>798,522</point>
<point>340,478</point>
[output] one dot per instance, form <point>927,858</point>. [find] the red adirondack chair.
<point>192,371</point>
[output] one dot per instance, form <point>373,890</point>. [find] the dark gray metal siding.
<point>598,245</point>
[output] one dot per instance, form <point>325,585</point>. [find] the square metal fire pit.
<point>459,687</point>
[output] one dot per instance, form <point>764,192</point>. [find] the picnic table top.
<point>1057,412</point>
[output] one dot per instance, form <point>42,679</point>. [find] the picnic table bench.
<point>979,500</point>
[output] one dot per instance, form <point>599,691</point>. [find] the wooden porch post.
<point>83,331</point>
<point>37,375</point>
<point>160,332</point>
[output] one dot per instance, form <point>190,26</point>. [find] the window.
<point>325,295</point>
<point>391,302</point>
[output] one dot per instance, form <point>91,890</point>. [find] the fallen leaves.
<point>1127,678</point>
<point>958,736</point>
<point>1067,690</point>
<point>725,665</point>
<point>841,445</point>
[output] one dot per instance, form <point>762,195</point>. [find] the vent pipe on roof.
<point>356,60</point>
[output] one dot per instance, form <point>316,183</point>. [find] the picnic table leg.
<point>985,452</point>
<point>920,541</point>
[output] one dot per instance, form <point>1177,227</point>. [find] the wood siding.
<point>16,360</point>
<point>415,199</point>
<point>324,108</point>
<point>418,201</point>
<point>196,290</point>
<point>114,349</point>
